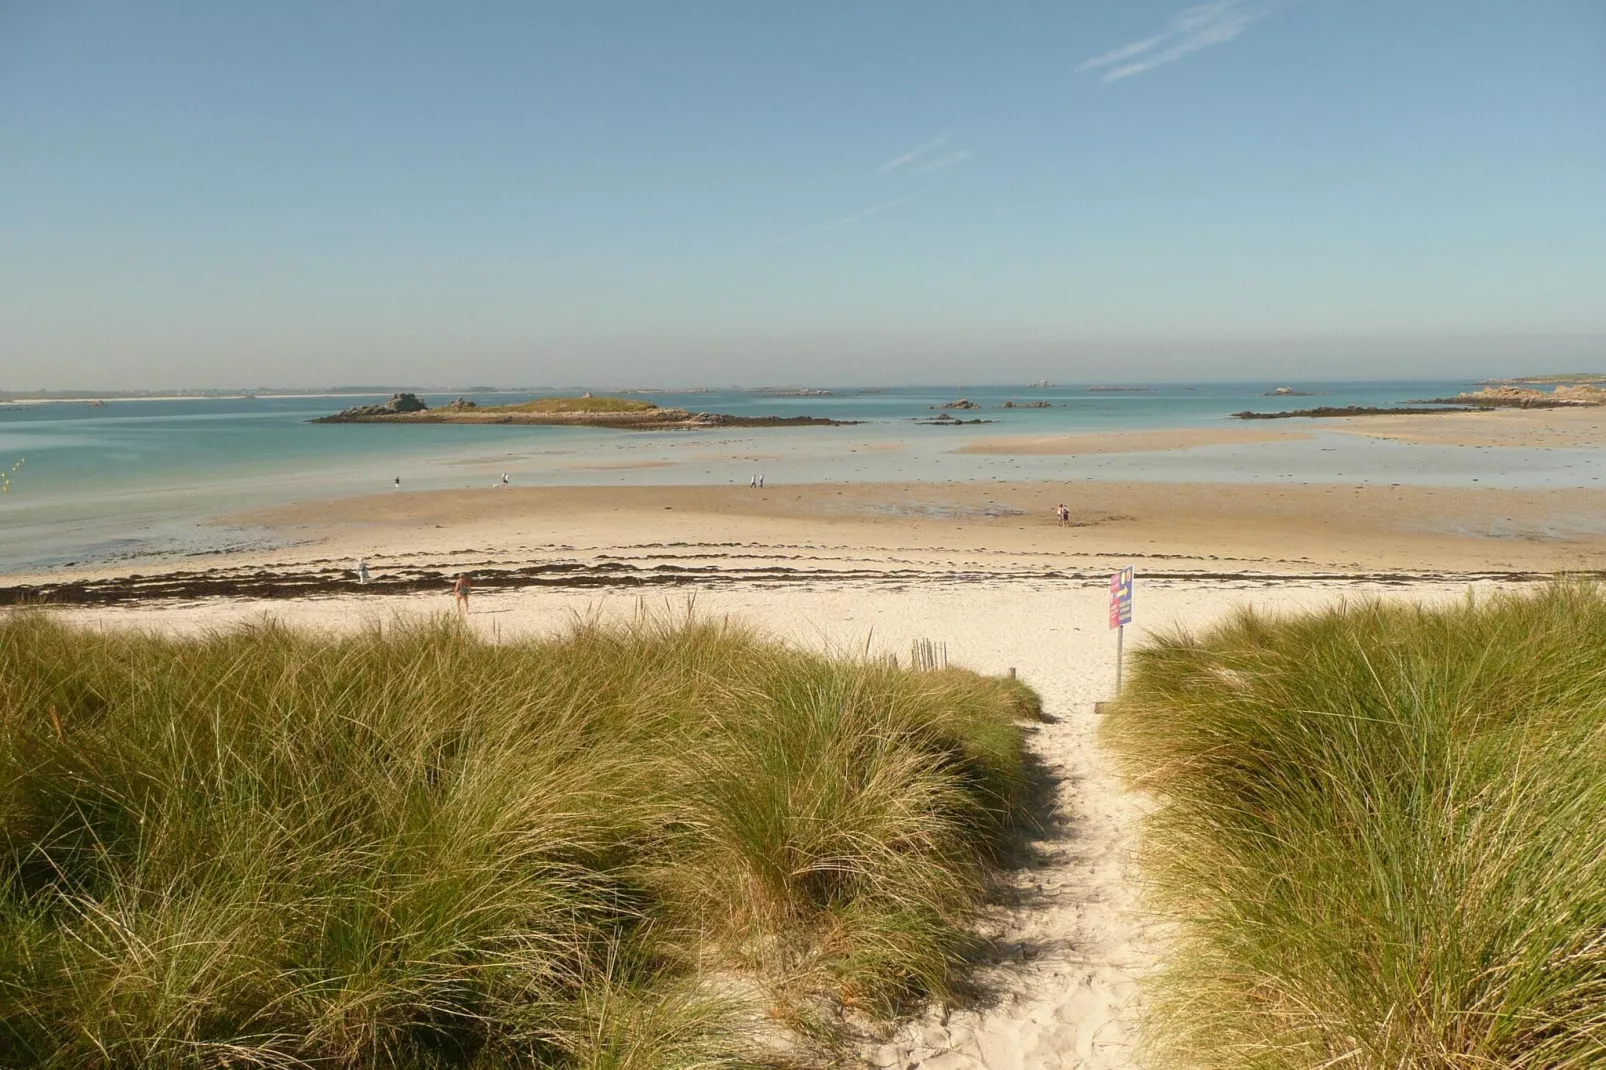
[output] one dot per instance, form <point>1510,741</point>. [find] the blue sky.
<point>755,191</point>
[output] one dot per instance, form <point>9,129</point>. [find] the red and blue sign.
<point>1121,598</point>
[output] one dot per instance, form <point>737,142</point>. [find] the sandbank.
<point>989,527</point>
<point>893,535</point>
<point>1567,428</point>
<point>1126,441</point>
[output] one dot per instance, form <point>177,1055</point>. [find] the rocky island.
<point>584,411</point>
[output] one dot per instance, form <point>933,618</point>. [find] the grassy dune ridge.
<point>412,848</point>
<point>1383,833</point>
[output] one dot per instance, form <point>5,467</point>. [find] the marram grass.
<point>1382,833</point>
<point>410,848</point>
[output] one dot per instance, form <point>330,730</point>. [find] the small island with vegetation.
<point>584,411</point>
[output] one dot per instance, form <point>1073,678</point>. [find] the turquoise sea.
<point>136,478</point>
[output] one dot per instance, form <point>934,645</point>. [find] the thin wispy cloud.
<point>944,162</point>
<point>916,153</point>
<point>1198,27</point>
<point>848,220</point>
<point>925,158</point>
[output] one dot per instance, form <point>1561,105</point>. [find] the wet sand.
<point>1126,441</point>
<point>1261,527</point>
<point>892,534</point>
<point>1581,428</point>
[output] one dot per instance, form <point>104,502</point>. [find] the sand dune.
<point>1070,938</point>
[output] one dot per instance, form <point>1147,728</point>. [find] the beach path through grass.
<point>1061,989</point>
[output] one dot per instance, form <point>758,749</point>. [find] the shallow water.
<point>136,478</point>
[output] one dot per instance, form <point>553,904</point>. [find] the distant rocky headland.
<point>1578,395</point>
<point>585,411</point>
<point>1546,380</point>
<point>1516,397</point>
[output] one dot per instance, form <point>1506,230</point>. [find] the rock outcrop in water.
<point>398,403</point>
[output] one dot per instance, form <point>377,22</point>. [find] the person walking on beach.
<point>760,482</point>
<point>398,482</point>
<point>504,479</point>
<point>460,589</point>
<point>362,571</point>
<point>752,484</point>
<point>1064,515</point>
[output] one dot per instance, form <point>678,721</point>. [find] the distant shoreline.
<point>108,399</point>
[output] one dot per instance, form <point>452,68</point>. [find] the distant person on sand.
<point>1064,515</point>
<point>398,482</point>
<point>460,589</point>
<point>504,479</point>
<point>760,482</point>
<point>362,571</point>
<point>753,483</point>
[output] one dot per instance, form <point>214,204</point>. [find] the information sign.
<point>1121,598</point>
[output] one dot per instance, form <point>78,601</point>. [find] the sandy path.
<point>1071,939</point>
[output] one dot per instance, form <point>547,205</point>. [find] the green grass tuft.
<point>411,848</point>
<point>1383,833</point>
